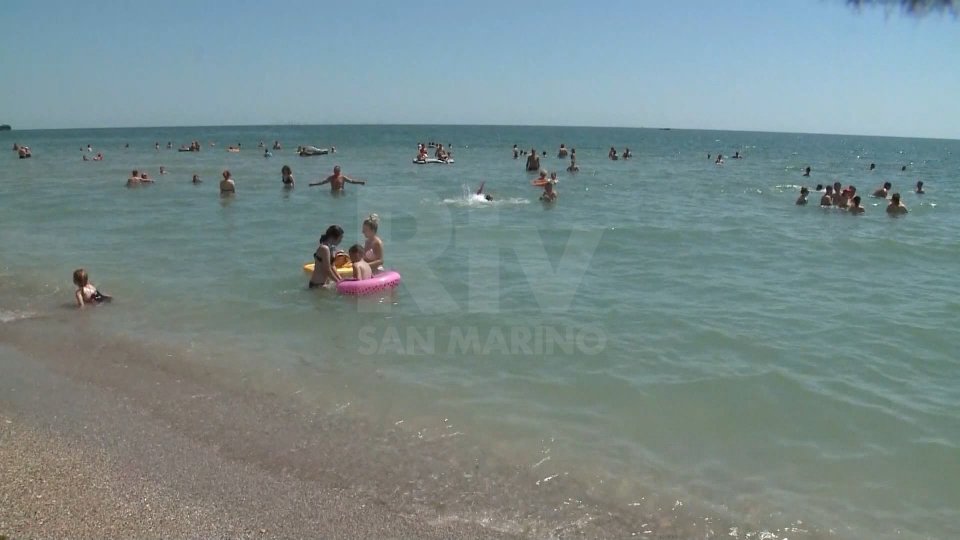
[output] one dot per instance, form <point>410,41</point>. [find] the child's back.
<point>362,270</point>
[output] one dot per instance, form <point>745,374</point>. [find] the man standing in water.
<point>337,181</point>
<point>533,161</point>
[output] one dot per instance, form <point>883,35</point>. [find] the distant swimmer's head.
<point>903,168</point>
<point>355,252</point>
<point>80,278</point>
<point>852,189</point>
<point>804,191</point>
<point>333,235</point>
<point>873,166</point>
<point>135,173</point>
<point>553,176</point>
<point>887,185</point>
<point>370,225</point>
<point>829,190</point>
<point>285,170</point>
<point>226,175</point>
<point>543,173</point>
<point>919,185</point>
<point>895,199</point>
<point>856,200</point>
<point>196,178</point>
<point>837,186</point>
<point>819,187</point>
<point>336,169</point>
<point>488,197</point>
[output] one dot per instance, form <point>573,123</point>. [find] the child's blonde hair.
<point>80,278</point>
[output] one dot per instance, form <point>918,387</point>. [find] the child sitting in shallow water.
<point>86,293</point>
<point>361,269</point>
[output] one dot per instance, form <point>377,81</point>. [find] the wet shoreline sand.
<point>97,442</point>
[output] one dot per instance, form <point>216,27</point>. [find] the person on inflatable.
<point>361,269</point>
<point>323,269</point>
<point>373,245</point>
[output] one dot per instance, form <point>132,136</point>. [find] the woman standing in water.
<point>323,270</point>
<point>373,245</point>
<point>227,185</point>
<point>286,176</point>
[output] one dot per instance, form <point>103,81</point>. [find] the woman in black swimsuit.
<point>323,270</point>
<point>286,176</point>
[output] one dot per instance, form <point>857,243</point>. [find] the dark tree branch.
<point>913,7</point>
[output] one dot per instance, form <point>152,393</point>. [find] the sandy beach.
<point>114,443</point>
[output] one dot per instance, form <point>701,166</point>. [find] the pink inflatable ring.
<point>380,282</point>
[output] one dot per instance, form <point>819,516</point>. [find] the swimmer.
<point>266,153</point>
<point>86,292</point>
<point>286,176</point>
<point>276,145</point>
<point>533,161</point>
<point>819,188</point>
<point>323,270</point>
<point>627,154</point>
<point>486,196</point>
<point>806,172</point>
<point>169,145</point>
<point>196,179</point>
<point>156,145</point>
<point>145,178</point>
<point>719,160</point>
<point>612,154</point>
<point>361,269</point>
<point>846,196</point>
<point>549,194</point>
<point>563,152</point>
<point>162,170</point>
<point>89,148</point>
<point>134,178</point>
<point>373,245</point>
<point>542,179</point>
<point>904,168</point>
<point>227,186</point>
<point>553,177</point>
<point>802,200</point>
<point>337,181</point>
<point>919,190</point>
<point>827,199</point>
<point>882,192</point>
<point>516,152</point>
<point>896,208</point>
<point>873,166</point>
<point>855,208</point>
<point>837,193</point>
<point>98,157</point>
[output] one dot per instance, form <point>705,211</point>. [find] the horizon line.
<point>365,124</point>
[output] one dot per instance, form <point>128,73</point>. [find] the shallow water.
<point>669,330</point>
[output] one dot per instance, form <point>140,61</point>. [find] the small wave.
<point>478,201</point>
<point>7,316</point>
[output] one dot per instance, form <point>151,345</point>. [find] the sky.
<point>813,66</point>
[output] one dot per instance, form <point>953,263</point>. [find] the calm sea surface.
<point>669,330</point>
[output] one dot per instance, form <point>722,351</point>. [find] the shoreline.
<point>92,438</point>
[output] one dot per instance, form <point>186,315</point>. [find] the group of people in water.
<point>846,198</point>
<point>365,259</point>
<point>440,153</point>
<point>23,152</point>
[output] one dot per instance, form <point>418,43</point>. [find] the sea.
<point>670,333</point>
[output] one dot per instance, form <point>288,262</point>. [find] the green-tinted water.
<point>669,328</point>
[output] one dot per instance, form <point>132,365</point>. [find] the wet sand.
<point>117,442</point>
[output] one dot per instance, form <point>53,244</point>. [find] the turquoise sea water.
<point>668,330</point>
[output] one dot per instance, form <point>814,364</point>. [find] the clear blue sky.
<point>777,65</point>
